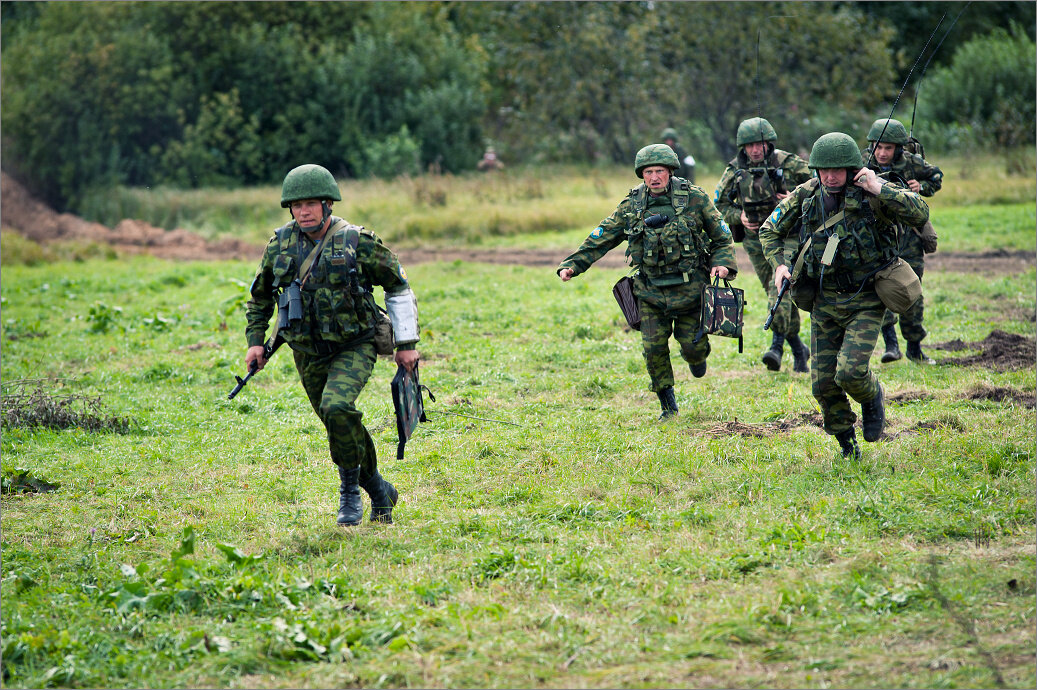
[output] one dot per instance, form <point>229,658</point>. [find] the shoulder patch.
<point>716,195</point>
<point>776,215</point>
<point>597,232</point>
<point>726,229</point>
<point>403,274</point>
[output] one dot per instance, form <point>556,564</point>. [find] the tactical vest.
<point>337,305</point>
<point>866,243</point>
<point>756,188</point>
<point>668,255</point>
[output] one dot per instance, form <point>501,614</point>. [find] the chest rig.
<point>849,245</point>
<point>756,187</point>
<point>334,303</point>
<point>671,252</point>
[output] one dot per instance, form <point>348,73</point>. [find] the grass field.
<point>190,542</point>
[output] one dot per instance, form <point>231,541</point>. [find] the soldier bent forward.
<point>320,269</point>
<point>675,254</point>
<point>835,230</point>
<point>751,186</point>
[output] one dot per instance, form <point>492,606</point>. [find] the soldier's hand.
<point>781,195</point>
<point>914,185</point>
<point>748,224</point>
<point>719,272</point>
<point>780,274</point>
<point>867,180</point>
<point>254,356</point>
<point>407,358</point>
<point>566,274</point>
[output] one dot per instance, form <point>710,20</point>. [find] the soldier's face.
<point>656,177</point>
<point>884,152</point>
<point>307,212</point>
<point>756,150</point>
<point>833,178</point>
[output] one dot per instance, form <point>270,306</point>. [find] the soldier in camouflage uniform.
<point>687,161</point>
<point>327,266</point>
<point>837,229</point>
<point>688,244</point>
<point>886,155</point>
<point>752,185</point>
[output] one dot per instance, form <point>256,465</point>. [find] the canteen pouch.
<point>384,341</point>
<point>623,291</point>
<point>898,286</point>
<point>928,237</point>
<point>721,311</point>
<point>802,292</point>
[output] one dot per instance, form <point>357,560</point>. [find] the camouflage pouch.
<point>802,292</point>
<point>623,291</point>
<point>927,234</point>
<point>406,400</point>
<point>384,341</point>
<point>721,311</point>
<point>898,286</point>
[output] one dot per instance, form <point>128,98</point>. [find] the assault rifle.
<point>269,348</point>
<point>774,310</point>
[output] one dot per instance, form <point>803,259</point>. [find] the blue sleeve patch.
<point>775,216</point>
<point>723,224</point>
<point>716,195</point>
<point>597,232</point>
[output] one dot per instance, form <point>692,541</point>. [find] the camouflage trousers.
<point>842,339</point>
<point>676,313</point>
<point>333,383</point>
<point>911,321</point>
<point>786,319</point>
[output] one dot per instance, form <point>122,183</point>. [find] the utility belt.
<point>671,279</point>
<point>849,281</point>
<point>326,347</point>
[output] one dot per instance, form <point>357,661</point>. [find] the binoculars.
<point>657,221</point>
<point>289,306</point>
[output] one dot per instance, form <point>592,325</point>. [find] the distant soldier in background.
<point>677,240</point>
<point>687,162</point>
<point>490,160</point>
<point>752,185</point>
<point>886,155</point>
<point>828,238</point>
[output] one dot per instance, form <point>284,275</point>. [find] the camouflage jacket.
<point>909,166</point>
<point>867,236</point>
<point>752,188</point>
<point>693,240</point>
<point>337,309</point>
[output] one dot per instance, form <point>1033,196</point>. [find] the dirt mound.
<point>762,429</point>
<point>27,215</point>
<point>1002,394</point>
<point>999,351</point>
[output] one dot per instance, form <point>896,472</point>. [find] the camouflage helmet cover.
<point>895,132</point>
<point>655,154</point>
<point>309,182</point>
<point>754,129</point>
<point>835,150</point>
<point>669,133</point>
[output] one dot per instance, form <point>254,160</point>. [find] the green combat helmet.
<point>754,129</point>
<point>835,150</point>
<point>669,133</point>
<point>655,154</point>
<point>308,182</point>
<point>895,132</point>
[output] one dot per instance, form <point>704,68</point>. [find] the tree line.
<point>222,94</point>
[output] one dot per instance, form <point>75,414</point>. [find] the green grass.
<point>590,547</point>
<point>535,207</point>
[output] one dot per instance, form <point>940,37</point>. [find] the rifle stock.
<point>269,348</point>
<point>774,310</point>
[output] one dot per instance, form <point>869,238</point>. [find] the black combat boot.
<point>350,505</point>
<point>383,498</point>
<point>873,417</point>
<point>772,357</point>
<point>915,354</point>
<point>698,370</point>
<point>848,444</point>
<point>668,401</point>
<point>889,335</point>
<point>800,354</point>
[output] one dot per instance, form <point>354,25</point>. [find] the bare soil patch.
<point>999,351</point>
<point>762,429</point>
<point>1002,394</point>
<point>908,396</point>
<point>25,214</point>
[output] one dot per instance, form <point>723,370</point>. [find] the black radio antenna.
<point>914,106</point>
<point>909,73</point>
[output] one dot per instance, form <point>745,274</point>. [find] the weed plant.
<point>591,546</point>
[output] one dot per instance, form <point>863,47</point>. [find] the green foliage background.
<point>209,93</point>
